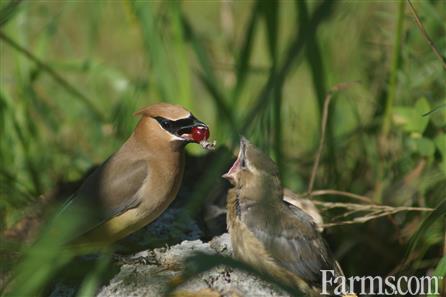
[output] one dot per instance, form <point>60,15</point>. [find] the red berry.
<point>200,133</point>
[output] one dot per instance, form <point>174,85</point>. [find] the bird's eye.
<point>164,122</point>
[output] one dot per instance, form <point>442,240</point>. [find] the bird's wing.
<point>110,190</point>
<point>291,238</point>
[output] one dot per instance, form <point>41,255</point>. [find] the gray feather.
<point>109,191</point>
<point>291,238</point>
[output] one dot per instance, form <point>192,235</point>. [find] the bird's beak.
<point>194,132</point>
<point>239,164</point>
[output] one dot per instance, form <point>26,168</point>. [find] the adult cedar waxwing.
<point>139,181</point>
<point>270,234</point>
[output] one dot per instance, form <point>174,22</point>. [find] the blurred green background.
<point>254,68</point>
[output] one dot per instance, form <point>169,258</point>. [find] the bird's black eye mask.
<point>179,127</point>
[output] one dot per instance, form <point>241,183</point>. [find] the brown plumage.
<point>267,232</point>
<point>138,182</point>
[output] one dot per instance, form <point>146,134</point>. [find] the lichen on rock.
<point>152,280</point>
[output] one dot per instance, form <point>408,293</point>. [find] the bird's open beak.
<point>194,132</point>
<point>188,129</point>
<point>239,163</point>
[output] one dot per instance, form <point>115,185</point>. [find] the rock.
<point>200,293</point>
<point>152,280</point>
<point>222,244</point>
<point>150,272</point>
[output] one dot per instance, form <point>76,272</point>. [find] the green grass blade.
<point>8,11</point>
<point>322,12</point>
<point>220,103</point>
<point>242,66</point>
<point>438,214</point>
<point>440,271</point>
<point>200,52</point>
<point>209,78</point>
<point>92,280</point>
<point>395,66</point>
<point>180,56</point>
<point>270,12</point>
<point>319,79</point>
<point>56,76</point>
<point>155,49</point>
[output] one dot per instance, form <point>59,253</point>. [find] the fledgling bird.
<point>139,181</point>
<point>269,233</point>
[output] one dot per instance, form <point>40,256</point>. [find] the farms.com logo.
<point>377,285</point>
